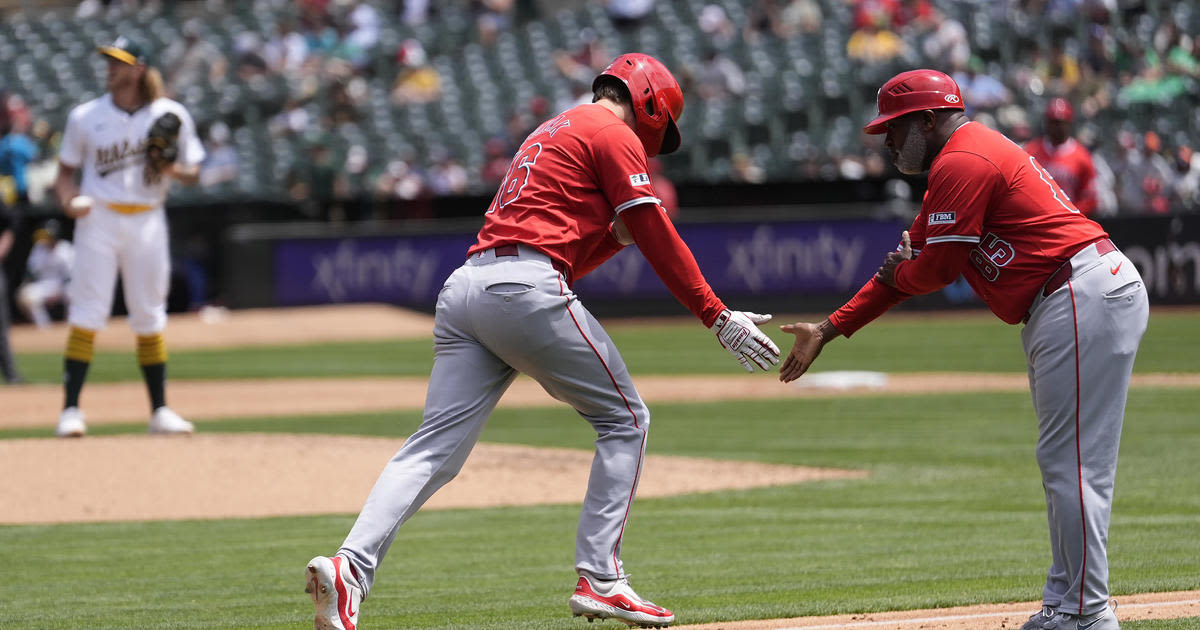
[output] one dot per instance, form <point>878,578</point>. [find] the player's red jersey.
<point>985,190</point>
<point>568,181</point>
<point>990,213</point>
<point>1071,165</point>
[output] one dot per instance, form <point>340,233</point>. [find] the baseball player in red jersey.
<point>1068,161</point>
<point>577,192</point>
<point>994,215</point>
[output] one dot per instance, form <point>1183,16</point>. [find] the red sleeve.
<point>621,168</point>
<point>961,187</point>
<point>605,249</point>
<point>671,259</point>
<point>937,266</point>
<point>871,301</point>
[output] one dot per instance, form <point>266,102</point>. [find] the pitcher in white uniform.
<point>121,226</point>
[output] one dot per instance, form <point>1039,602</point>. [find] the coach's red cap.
<point>914,91</point>
<point>1059,109</point>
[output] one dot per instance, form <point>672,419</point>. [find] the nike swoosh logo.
<point>1097,619</point>
<point>1113,271</point>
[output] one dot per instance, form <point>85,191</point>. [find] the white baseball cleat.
<point>595,599</point>
<point>165,421</point>
<point>70,423</point>
<point>335,593</point>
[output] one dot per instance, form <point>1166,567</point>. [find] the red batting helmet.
<point>914,91</point>
<point>1059,109</point>
<point>657,100</point>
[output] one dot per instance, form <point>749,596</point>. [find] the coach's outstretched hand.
<point>737,332</point>
<point>810,338</point>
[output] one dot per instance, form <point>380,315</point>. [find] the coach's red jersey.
<point>568,181</point>
<point>985,190</point>
<point>1072,168</point>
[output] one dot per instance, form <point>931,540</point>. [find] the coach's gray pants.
<point>496,317</point>
<point>1080,342</point>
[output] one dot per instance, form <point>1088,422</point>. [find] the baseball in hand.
<point>80,205</point>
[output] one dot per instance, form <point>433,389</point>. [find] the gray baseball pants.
<point>1080,342</point>
<point>497,316</point>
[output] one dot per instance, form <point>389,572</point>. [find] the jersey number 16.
<point>516,178</point>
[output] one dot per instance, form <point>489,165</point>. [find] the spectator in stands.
<point>492,17</point>
<point>221,160</point>
<point>800,17</point>
<point>287,50</point>
<point>248,55</point>
<point>1058,71</point>
<point>762,20</point>
<point>1067,161</point>
<point>1187,183</point>
<point>347,56</point>
<point>312,180</point>
<point>497,155</point>
<point>980,90</point>
<point>401,190</point>
<point>1156,174</point>
<point>418,81</point>
<point>876,13</point>
<point>718,29</point>
<point>414,12</point>
<point>17,152</point>
<point>627,14</point>
<point>193,60</point>
<point>292,120</point>
<point>364,25</point>
<point>47,271</point>
<point>1143,176</point>
<point>345,99</point>
<point>580,65</point>
<point>1178,52</point>
<point>447,175</point>
<point>744,168</point>
<point>944,41</point>
<point>353,183</point>
<point>718,78</point>
<point>874,43</point>
<point>1105,182</point>
<point>912,12</point>
<point>319,32</point>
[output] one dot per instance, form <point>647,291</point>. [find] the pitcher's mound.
<point>211,476</point>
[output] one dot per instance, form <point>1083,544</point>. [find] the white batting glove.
<point>737,332</point>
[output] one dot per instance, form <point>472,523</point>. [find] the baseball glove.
<point>162,146</point>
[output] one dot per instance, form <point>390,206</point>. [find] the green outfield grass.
<point>969,343</point>
<point>951,514</point>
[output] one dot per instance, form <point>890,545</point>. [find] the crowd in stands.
<point>322,101</point>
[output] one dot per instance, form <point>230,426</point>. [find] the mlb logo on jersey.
<point>640,179</point>
<point>941,218</point>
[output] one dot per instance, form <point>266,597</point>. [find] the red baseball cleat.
<point>603,600</point>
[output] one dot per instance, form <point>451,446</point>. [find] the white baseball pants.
<point>137,246</point>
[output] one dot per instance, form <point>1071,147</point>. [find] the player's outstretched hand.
<point>810,338</point>
<point>737,332</point>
